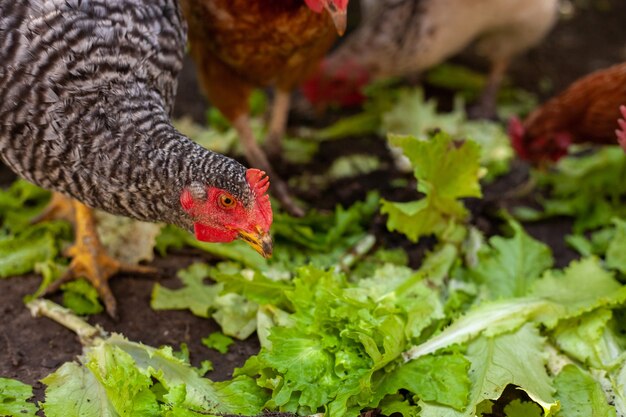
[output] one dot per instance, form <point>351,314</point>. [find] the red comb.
<point>333,84</point>
<point>341,4</point>
<point>516,133</point>
<point>621,132</point>
<point>258,181</point>
<point>315,5</point>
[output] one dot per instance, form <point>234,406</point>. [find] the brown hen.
<point>585,112</point>
<point>241,44</point>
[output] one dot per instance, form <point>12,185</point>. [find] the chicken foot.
<point>89,257</point>
<point>257,158</point>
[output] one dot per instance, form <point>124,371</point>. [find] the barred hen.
<point>405,37</point>
<point>86,93</point>
<point>585,112</point>
<point>240,44</point>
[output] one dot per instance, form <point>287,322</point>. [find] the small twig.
<point>87,334</point>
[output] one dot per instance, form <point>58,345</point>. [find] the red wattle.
<point>210,234</point>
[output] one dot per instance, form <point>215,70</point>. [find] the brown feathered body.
<point>585,112</point>
<point>240,44</point>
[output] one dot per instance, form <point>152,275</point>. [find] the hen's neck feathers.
<point>86,89</point>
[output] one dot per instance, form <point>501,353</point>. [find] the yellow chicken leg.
<point>60,207</point>
<point>90,260</point>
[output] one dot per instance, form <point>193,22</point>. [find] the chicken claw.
<point>90,260</point>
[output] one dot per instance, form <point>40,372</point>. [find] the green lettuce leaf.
<point>194,295</point>
<point>509,267</point>
<point>19,204</point>
<point>35,244</point>
<point>413,115</point>
<point>218,341</point>
<point>516,358</point>
<point>580,394</point>
<point>441,379</point>
<point>14,396</point>
<point>616,251</point>
<point>518,408</point>
<point>489,318</point>
<point>445,173</point>
<point>80,297</point>
<point>589,339</point>
<point>74,390</point>
<point>126,387</point>
<point>580,288</point>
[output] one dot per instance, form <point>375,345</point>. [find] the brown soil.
<point>31,348</point>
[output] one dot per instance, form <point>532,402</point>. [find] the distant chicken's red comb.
<point>516,133</point>
<point>260,182</point>
<point>621,132</point>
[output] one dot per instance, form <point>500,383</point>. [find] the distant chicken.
<point>585,112</point>
<point>241,44</point>
<point>86,93</point>
<point>405,37</point>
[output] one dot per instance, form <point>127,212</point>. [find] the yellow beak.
<point>260,241</point>
<point>340,17</point>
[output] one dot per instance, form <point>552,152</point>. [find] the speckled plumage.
<point>86,91</point>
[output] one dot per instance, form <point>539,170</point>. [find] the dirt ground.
<point>31,348</point>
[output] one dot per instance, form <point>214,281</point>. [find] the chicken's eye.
<point>227,201</point>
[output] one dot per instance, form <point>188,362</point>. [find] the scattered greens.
<point>407,112</point>
<point>218,341</point>
<point>116,377</point>
<point>478,326</point>
<point>588,188</point>
<point>81,297</point>
<point>24,245</point>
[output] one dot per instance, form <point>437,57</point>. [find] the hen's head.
<point>222,216</point>
<point>337,84</point>
<point>338,10</point>
<point>548,147</point>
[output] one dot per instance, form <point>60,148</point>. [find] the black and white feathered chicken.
<point>86,93</point>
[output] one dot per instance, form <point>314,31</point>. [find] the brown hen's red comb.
<point>621,132</point>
